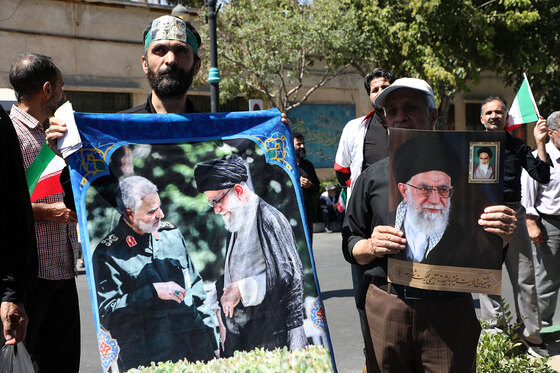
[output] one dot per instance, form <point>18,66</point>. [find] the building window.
<point>99,102</point>
<point>472,117</point>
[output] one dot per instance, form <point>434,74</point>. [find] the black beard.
<point>301,153</point>
<point>171,82</point>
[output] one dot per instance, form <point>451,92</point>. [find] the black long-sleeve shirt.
<point>310,195</point>
<point>18,259</point>
<point>518,155</point>
<point>368,208</point>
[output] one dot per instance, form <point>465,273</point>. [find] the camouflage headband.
<point>170,28</point>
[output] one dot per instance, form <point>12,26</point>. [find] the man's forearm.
<point>41,211</point>
<point>362,253</point>
<point>541,151</point>
<point>56,212</point>
<point>531,221</point>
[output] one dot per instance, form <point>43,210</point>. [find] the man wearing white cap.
<point>409,329</point>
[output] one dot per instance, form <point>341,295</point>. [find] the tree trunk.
<point>443,115</point>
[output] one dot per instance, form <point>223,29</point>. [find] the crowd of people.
<point>404,329</point>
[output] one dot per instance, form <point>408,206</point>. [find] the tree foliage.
<point>449,43</point>
<point>284,50</point>
<point>530,43</point>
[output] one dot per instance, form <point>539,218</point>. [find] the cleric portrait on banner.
<point>194,237</point>
<point>437,206</point>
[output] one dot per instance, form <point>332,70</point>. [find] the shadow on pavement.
<point>337,293</point>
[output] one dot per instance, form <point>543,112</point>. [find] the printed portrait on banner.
<point>484,162</point>
<point>195,237</point>
<point>437,205</point>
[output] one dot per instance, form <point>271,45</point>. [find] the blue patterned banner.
<point>195,238</point>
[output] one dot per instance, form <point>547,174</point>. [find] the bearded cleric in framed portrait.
<point>437,209</point>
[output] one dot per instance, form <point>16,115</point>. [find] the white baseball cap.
<point>410,83</point>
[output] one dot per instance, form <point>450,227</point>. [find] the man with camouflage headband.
<point>170,62</point>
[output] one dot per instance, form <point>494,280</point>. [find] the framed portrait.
<point>484,162</point>
<point>195,239</point>
<point>438,209</point>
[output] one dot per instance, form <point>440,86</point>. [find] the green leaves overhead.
<point>284,50</point>
<point>450,42</point>
<point>268,48</point>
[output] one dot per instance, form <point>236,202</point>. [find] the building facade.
<point>98,46</point>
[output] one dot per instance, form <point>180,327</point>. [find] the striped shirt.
<point>57,243</point>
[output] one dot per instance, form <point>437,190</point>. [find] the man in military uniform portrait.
<point>149,293</point>
<point>260,294</point>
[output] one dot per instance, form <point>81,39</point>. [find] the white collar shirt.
<point>540,198</point>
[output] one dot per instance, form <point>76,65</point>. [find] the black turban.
<point>486,150</point>
<point>220,174</point>
<point>423,154</point>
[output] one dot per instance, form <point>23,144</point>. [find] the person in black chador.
<point>308,180</point>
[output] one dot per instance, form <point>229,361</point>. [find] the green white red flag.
<point>43,175</point>
<point>341,203</point>
<point>524,108</point>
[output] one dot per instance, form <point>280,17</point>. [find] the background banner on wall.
<point>199,268</point>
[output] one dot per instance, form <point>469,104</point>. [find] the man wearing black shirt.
<point>170,62</point>
<point>308,180</point>
<point>519,257</point>
<point>363,142</point>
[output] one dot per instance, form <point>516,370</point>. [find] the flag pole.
<point>531,93</point>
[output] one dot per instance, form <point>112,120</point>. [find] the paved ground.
<point>336,286</point>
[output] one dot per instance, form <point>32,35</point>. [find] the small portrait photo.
<point>484,162</point>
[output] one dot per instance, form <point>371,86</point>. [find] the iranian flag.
<point>341,203</point>
<point>43,175</point>
<point>523,109</point>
